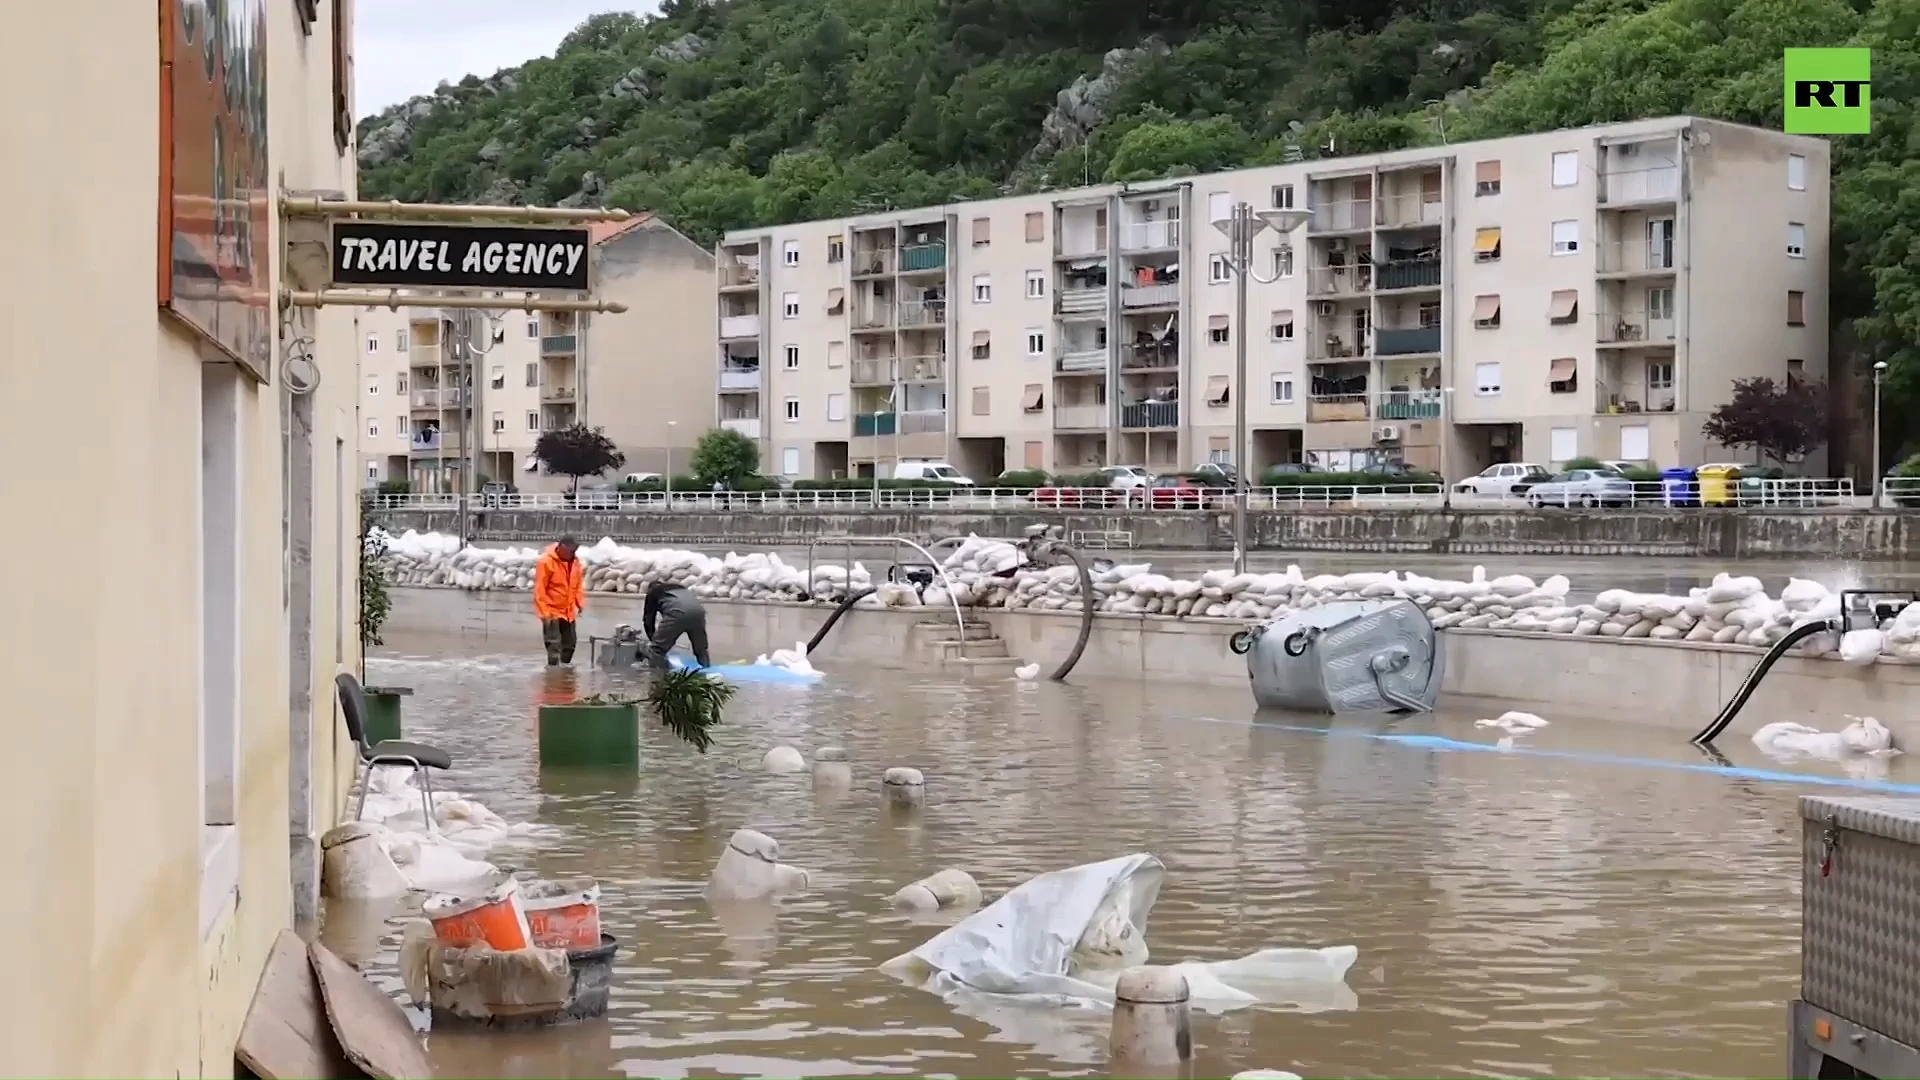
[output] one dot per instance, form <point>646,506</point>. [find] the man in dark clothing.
<point>677,612</point>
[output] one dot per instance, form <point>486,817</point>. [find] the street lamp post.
<point>1241,227</point>
<point>671,424</point>
<point>1446,436</point>
<point>1874,482</point>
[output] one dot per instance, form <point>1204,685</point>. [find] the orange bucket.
<point>568,919</point>
<point>494,918</point>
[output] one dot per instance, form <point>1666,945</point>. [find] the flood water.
<point>1517,914</point>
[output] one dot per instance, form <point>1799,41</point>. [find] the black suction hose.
<point>1086,611</point>
<point>1794,637</point>
<point>852,598</point>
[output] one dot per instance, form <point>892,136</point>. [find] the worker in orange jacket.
<point>559,595</point>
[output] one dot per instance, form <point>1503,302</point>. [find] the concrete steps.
<point>980,652</point>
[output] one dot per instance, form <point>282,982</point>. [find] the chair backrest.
<point>353,705</point>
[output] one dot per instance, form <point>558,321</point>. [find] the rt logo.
<point>1829,91</point>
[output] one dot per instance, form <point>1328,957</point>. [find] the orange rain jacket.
<point>559,588</point>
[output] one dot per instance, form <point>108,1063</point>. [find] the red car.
<point>1184,491</point>
<point>1084,498</point>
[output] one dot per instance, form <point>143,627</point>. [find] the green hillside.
<point>733,113</point>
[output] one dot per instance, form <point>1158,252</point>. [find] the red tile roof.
<point>603,231</point>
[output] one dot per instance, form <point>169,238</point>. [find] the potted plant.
<point>605,729</point>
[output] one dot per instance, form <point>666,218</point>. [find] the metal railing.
<point>1145,296</point>
<point>1149,235</point>
<point>1412,208</point>
<point>1632,327</point>
<point>1342,215</point>
<point>558,345</point>
<point>740,326</point>
<point>1901,492</point>
<point>738,276</point>
<point>743,425</point>
<point>1402,342</point>
<point>923,313</point>
<point>1795,493</point>
<point>1407,274</point>
<point>556,394</point>
<point>1640,256</point>
<point>916,258</point>
<point>1070,357</point>
<point>1660,182</point>
<point>1342,280</point>
<point>1080,417</point>
<point>1150,414</point>
<point>1081,301</point>
<point>739,377</point>
<point>1163,356</point>
<point>874,262</point>
<point>1336,407</point>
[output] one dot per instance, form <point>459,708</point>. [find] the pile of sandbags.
<point>983,573</point>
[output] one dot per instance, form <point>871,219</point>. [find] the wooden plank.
<point>286,1035</point>
<point>371,1027</point>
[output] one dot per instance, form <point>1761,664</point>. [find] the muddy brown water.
<point>1516,914</point>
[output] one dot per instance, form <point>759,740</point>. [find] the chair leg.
<point>425,776</point>
<point>363,778</point>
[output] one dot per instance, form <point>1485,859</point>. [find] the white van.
<point>938,472</point>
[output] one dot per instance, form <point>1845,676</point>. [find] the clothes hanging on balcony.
<point>1339,385</point>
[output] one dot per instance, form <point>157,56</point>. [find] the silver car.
<point>1582,487</point>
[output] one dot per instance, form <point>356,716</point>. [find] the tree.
<point>1783,421</point>
<point>725,455</point>
<point>576,451</point>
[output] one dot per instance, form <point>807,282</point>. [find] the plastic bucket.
<point>564,920</point>
<point>494,918</point>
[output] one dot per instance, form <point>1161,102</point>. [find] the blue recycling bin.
<point>1680,487</point>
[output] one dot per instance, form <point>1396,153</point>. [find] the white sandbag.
<point>355,864</point>
<point>945,890</point>
<point>783,761</point>
<point>1861,647</point>
<point>750,869</point>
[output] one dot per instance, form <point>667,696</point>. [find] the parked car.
<point>596,497</point>
<point>938,472</point>
<point>1509,478</point>
<point>1216,470</point>
<point>1582,487</point>
<point>1126,477</point>
<point>1185,491</point>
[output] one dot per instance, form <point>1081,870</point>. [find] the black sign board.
<point>421,255</point>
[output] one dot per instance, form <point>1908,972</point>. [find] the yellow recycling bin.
<point>1717,486</point>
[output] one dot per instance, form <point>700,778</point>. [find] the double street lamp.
<point>1876,482</point>
<point>1241,226</point>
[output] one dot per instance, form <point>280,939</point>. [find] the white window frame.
<point>792,410</point>
<point>790,253</point>
<point>1036,284</point>
<point>499,423</point>
<point>1219,270</point>
<point>1796,240</point>
<point>1796,172</point>
<point>1566,245</point>
<point>1282,196</point>
<point>791,357</point>
<point>1665,368</point>
<point>1280,387</point>
<point>400,427</point>
<point>1488,387</point>
<point>1036,342</point>
<point>373,343</point>
<point>790,305</point>
<point>836,408</point>
<point>533,420</point>
<point>373,429</point>
<point>1283,261</point>
<point>1216,200</point>
<point>983,288</point>
<point>400,340</point>
<point>373,470</point>
<point>533,328</point>
<point>1570,175</point>
<point>1663,309</point>
<point>373,386</point>
<point>1292,330</point>
<point>497,378</point>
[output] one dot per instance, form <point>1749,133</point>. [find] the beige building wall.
<point>647,374</point>
<point>141,929</point>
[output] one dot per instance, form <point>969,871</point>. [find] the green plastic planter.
<point>383,712</point>
<point>576,735</point>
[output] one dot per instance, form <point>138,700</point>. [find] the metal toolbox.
<point>1860,912</point>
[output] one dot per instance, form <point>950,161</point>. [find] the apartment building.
<point>1592,292</point>
<point>437,390</point>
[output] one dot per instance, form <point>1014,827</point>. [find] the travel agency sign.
<point>486,258</point>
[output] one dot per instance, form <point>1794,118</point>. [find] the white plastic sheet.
<point>1064,938</point>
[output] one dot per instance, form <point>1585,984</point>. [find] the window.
<point>1429,314</point>
<point>1563,444</point>
<point>1486,379</point>
<point>498,379</point>
<point>836,249</point>
<point>1562,375</point>
<point>373,342</point>
<point>1283,261</point>
<point>836,354</point>
<point>1283,389</point>
<point>499,423</point>
<point>1566,237</point>
<point>793,357</point>
<point>533,328</point>
<point>1660,303</point>
<point>1486,311</point>
<point>533,421</point>
<point>373,470</point>
<point>373,384</point>
<point>982,344</point>
<point>789,461</point>
<point>400,426</point>
<point>982,401</point>
<point>1486,245</point>
<point>1566,168</point>
<point>533,374</point>
<point>982,231</point>
<point>1282,325</point>
<point>1282,197</point>
<point>1219,390</point>
<point>1036,455</point>
<point>836,408</point>
<point>1218,269</point>
<point>1564,307</point>
<point>1218,329</point>
<point>1219,206</point>
<point>1796,172</point>
<point>1796,240</point>
<point>793,410</point>
<point>1036,227</point>
<point>1634,444</point>
<point>1036,343</point>
<point>373,429</point>
<point>1033,397</point>
<point>982,289</point>
<point>1796,308</point>
<point>400,341</point>
<point>1486,178</point>
<point>836,301</point>
<point>790,305</point>
<point>1036,284</point>
<point>790,253</point>
<point>400,383</point>
<point>1796,372</point>
<point>1660,375</point>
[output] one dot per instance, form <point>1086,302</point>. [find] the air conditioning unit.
<point>1387,433</point>
<point>1327,309</point>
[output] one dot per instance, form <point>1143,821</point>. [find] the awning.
<point>981,227</point>
<point>1283,317</point>
<point>982,337</point>
<point>1086,264</point>
<point>1486,172</point>
<point>1030,398</point>
<point>1565,303</point>
<point>1562,370</point>
<point>1217,386</point>
<point>1216,322</point>
<point>836,300</point>
<point>1486,308</point>
<point>1486,241</point>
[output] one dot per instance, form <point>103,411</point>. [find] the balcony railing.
<point>740,326</point>
<point>1150,236</point>
<point>449,398</point>
<point>738,276</point>
<point>1632,328</point>
<point>1407,274</point>
<point>1411,209</point>
<point>558,345</point>
<point>1081,301</point>
<point>875,371</point>
<point>1080,358</point>
<point>556,395</point>
<point>1342,215</point>
<point>1323,407</point>
<point>1150,414</point>
<point>740,378</point>
<point>1079,417</point>
<point>1407,405</point>
<point>1160,356</point>
<point>931,367</point>
<point>1639,256</point>
<point>1419,339</point>
<point>923,313</point>
<point>1336,347</point>
<point>434,441</point>
<point>922,422</point>
<point>1661,183</point>
<point>1146,296</point>
<point>1339,280</point>
<point>744,425</point>
<point>877,262</point>
<point>916,258</point>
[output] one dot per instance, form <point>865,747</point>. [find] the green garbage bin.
<point>578,734</point>
<point>383,712</point>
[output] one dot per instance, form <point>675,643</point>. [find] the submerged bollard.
<point>944,890</point>
<point>749,869</point>
<point>355,864</point>
<point>782,760</point>
<point>904,787</point>
<point>1152,1027</point>
<point>830,768</point>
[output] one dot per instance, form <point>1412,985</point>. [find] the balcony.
<point>899,423</point>
<point>923,313</point>
<point>1411,211</point>
<point>735,327</point>
<point>870,320</point>
<point>1150,236</point>
<point>739,276</point>
<point>1339,280</point>
<point>1158,356</point>
<point>1407,405</point>
<point>1633,328</point>
<point>1325,407</point>
<point>1074,359</point>
<point>1081,301</point>
<point>1135,297</point>
<point>873,262</point>
<point>739,377</point>
<point>558,345</point>
<point>931,367</point>
<point>1342,215</point>
<point>1407,274</point>
<point>1335,348</point>
<point>875,371</point>
<point>556,395</point>
<point>1412,342</point>
<point>1079,417</point>
<point>1635,258</point>
<point>744,425</point>
<point>434,442</point>
<point>921,258</point>
<point>1658,184</point>
<point>450,398</point>
<point>1150,414</point>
